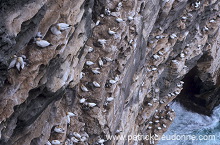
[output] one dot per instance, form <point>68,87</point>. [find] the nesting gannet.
<point>164,125</point>
<point>83,139</point>
<point>13,62</point>
<point>157,117</point>
<point>101,141</point>
<point>130,18</point>
<point>97,22</point>
<point>117,9</point>
<point>55,30</point>
<point>155,56</point>
<point>48,143</point>
<point>176,92</point>
<point>18,62</point>
<point>179,85</point>
<point>102,41</point>
<point>70,114</point>
<point>63,26</point>
<point>83,88</point>
<point>157,121</point>
<point>110,32</point>
<point>90,49</point>
<point>100,62</point>
<point>76,134</point>
<point>95,71</point>
<point>18,66</point>
<point>83,100</point>
<point>170,119</point>
<point>159,37</point>
<point>120,4</point>
<point>102,15</point>
<point>172,94</point>
<point>159,128</point>
<point>149,127</point>
<point>182,55</point>
<point>89,63</point>
<point>205,28</point>
<point>81,75</point>
<point>184,18</point>
<point>68,119</point>
<point>112,81</point>
<point>108,59</point>
<point>107,11</point>
<point>42,43</point>
<point>109,99</point>
<point>173,36</point>
<point>150,122</point>
<point>91,104</point>
<point>58,129</point>
<point>212,21</point>
<point>56,142</point>
<point>75,140</point>
<point>96,84</point>
<point>21,61</point>
<point>149,104</point>
<point>130,41</point>
<point>197,4</point>
<point>119,20</point>
<point>155,100</point>
<point>160,52</point>
<point>175,61</point>
<point>154,69</point>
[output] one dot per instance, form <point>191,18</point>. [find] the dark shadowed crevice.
<point>196,95</point>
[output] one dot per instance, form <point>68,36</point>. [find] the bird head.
<point>38,39</point>
<point>58,27</point>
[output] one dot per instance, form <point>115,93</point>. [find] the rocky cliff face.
<point>156,45</point>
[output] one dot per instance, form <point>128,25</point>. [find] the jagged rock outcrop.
<point>152,47</point>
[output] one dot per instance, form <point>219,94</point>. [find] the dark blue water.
<point>206,130</point>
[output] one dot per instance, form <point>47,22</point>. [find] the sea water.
<point>191,128</point>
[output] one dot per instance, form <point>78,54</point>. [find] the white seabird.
<point>55,30</point>
<point>109,99</point>
<point>102,41</point>
<point>58,129</point>
<point>42,43</point>
<point>83,100</point>
<point>75,140</point>
<point>48,143</point>
<point>95,71</point>
<point>13,62</point>
<point>108,59</point>
<point>89,63</point>
<point>119,20</point>
<point>100,62</point>
<point>130,18</point>
<point>101,141</point>
<point>90,49</point>
<point>76,134</point>
<point>55,142</point>
<point>96,84</point>
<point>83,88</point>
<point>63,26</point>
<point>91,104</point>
<point>110,32</point>
<point>70,114</point>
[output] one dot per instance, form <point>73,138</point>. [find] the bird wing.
<point>12,63</point>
